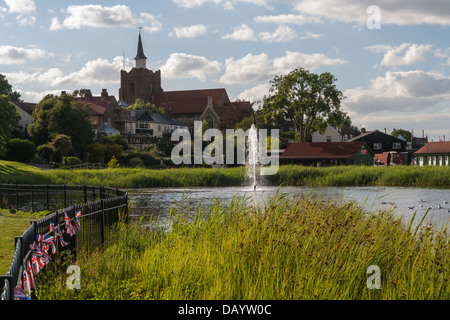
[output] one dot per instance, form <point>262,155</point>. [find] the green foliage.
<point>61,115</point>
<point>283,249</point>
<point>113,163</point>
<point>103,153</point>
<point>115,139</point>
<point>6,89</point>
<point>305,101</point>
<point>45,152</point>
<point>72,161</point>
<point>9,119</point>
<point>20,150</point>
<point>145,159</point>
<point>61,143</point>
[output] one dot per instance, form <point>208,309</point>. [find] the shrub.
<point>113,163</point>
<point>136,162</point>
<point>72,161</point>
<point>20,150</point>
<point>146,158</point>
<point>103,153</point>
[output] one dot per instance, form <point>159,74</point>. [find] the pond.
<point>404,202</point>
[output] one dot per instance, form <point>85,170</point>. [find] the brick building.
<point>210,105</point>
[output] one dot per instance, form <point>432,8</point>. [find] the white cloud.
<point>399,92</point>
<point>190,31</point>
<point>245,33</point>
<point>228,4</point>
<point>182,65</point>
<point>282,34</point>
<point>95,72</point>
<point>242,33</point>
<point>379,48</point>
<point>292,60</point>
<point>247,69</point>
<point>26,20</point>
<point>252,68</point>
<point>289,19</point>
<point>21,6</point>
<point>406,54</point>
<point>399,12</point>
<point>311,35</point>
<point>17,55</point>
<point>97,16</point>
<point>255,94</point>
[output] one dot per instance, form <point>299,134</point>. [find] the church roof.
<point>140,50</point>
<point>190,101</point>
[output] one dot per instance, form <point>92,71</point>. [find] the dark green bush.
<point>20,150</point>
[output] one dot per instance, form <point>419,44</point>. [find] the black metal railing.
<point>100,208</point>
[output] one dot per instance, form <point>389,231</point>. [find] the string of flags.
<point>41,251</point>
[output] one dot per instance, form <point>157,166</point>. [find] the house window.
<point>144,125</point>
<point>440,160</point>
<point>210,122</point>
<point>132,87</point>
<point>421,161</point>
<point>328,138</point>
<point>396,145</point>
<point>377,146</point>
<point>159,128</point>
<point>446,161</point>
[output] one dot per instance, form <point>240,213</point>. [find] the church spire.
<point>140,57</point>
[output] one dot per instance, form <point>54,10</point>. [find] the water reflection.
<point>404,202</point>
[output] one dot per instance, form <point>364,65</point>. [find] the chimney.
<point>363,130</point>
<point>105,94</point>
<point>88,94</point>
<point>63,93</point>
<point>210,101</point>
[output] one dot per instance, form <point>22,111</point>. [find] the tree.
<point>61,115</point>
<point>6,88</point>
<point>9,119</point>
<point>404,133</point>
<point>62,143</point>
<point>304,101</point>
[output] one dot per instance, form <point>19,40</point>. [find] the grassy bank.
<point>12,225</point>
<point>11,172</point>
<point>290,249</point>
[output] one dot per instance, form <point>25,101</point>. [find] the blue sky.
<point>397,76</point>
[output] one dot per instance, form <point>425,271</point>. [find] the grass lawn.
<point>12,225</point>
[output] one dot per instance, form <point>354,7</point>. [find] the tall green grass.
<point>284,249</point>
<point>293,175</point>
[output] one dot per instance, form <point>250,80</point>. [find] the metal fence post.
<point>85,193</point>
<point>47,199</point>
<point>102,224</point>
<point>65,197</point>
<point>17,197</point>
<point>6,288</point>
<point>1,196</point>
<point>32,199</point>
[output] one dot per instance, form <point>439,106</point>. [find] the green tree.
<point>62,143</point>
<point>304,101</point>
<point>9,119</point>
<point>404,133</point>
<point>61,115</point>
<point>6,88</point>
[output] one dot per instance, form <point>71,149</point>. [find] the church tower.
<point>140,82</point>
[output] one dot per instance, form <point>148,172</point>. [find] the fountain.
<point>253,154</point>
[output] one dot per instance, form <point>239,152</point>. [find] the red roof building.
<point>101,108</point>
<point>434,154</point>
<point>327,153</point>
<point>210,105</point>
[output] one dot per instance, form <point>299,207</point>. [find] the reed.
<point>285,249</point>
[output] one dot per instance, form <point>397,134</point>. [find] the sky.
<point>391,58</point>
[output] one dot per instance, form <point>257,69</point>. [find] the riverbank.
<point>288,249</point>
<point>439,177</point>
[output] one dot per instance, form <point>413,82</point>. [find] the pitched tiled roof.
<point>26,106</point>
<point>97,105</point>
<point>190,101</point>
<point>435,147</point>
<point>321,150</point>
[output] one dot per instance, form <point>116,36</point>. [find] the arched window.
<point>210,122</point>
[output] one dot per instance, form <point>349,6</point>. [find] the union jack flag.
<point>69,227</point>
<point>19,294</point>
<point>52,227</point>
<point>37,264</point>
<point>29,271</point>
<point>47,243</point>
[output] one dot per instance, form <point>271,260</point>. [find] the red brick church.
<point>210,105</point>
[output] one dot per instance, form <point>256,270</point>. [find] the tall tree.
<point>6,88</point>
<point>9,119</point>
<point>305,101</point>
<point>61,115</point>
